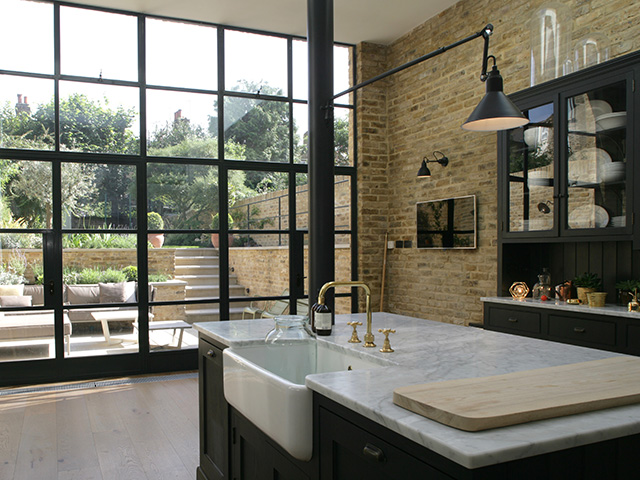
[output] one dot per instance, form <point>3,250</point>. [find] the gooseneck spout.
<point>368,337</point>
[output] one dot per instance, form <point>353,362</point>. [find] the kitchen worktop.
<point>558,305</point>
<point>427,351</point>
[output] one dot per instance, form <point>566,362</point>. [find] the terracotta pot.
<point>156,239</point>
<point>215,240</point>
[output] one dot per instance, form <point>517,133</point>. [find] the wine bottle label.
<point>323,321</point>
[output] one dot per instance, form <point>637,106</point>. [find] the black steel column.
<point>321,148</point>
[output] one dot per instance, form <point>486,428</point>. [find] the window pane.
<point>35,55</point>
<point>185,196</point>
<point>99,118</point>
<point>342,202</point>
<point>255,63</point>
<point>168,329</point>
<point>181,54</point>
<point>182,124</point>
<point>302,201</point>
<point>27,116</point>
<point>300,133</point>
<point>98,44</point>
<point>259,200</point>
<point>341,72</point>
<point>259,267</point>
<point>100,269</point>
<point>300,70</point>
<point>25,195</point>
<point>343,140</point>
<point>256,130</point>
<point>98,196</point>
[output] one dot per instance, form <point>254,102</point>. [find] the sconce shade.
<point>424,170</point>
<point>495,111</point>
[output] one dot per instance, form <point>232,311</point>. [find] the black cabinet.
<point>588,329</point>
<point>566,180</point>
<point>214,414</point>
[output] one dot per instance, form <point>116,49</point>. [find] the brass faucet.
<point>368,337</point>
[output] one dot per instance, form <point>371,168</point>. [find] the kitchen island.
<point>427,351</point>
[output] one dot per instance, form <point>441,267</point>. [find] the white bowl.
<point>608,121</point>
<point>600,107</point>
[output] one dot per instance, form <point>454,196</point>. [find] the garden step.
<point>197,269</point>
<point>211,291</point>
<point>205,279</point>
<point>192,260</point>
<point>189,252</point>
<point>212,314</point>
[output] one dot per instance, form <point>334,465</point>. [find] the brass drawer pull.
<point>579,329</point>
<point>512,320</point>
<point>374,453</point>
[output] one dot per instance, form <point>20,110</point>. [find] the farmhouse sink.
<point>265,384</point>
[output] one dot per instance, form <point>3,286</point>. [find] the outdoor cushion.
<point>36,292</point>
<point>15,300</point>
<point>11,290</point>
<point>112,292</point>
<point>80,294</point>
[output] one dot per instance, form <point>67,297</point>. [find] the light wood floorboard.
<point>141,431</point>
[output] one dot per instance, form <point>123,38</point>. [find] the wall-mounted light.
<point>545,207</point>
<point>424,170</point>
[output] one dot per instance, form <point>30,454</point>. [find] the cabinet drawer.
<point>515,319</point>
<point>582,330</point>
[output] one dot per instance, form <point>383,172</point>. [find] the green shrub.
<point>154,221</point>
<point>157,277</point>
<point>131,273</point>
<point>98,240</point>
<point>92,275</point>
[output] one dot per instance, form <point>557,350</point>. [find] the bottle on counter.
<point>543,287</point>
<point>321,319</point>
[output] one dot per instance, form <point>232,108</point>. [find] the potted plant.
<point>587,283</point>
<point>215,225</point>
<point>626,290</point>
<point>155,222</point>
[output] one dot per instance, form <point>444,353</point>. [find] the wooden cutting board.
<point>474,404</point>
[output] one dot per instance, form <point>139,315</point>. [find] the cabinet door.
<point>214,414</point>
<point>530,174</point>
<point>348,452</point>
<point>596,161</point>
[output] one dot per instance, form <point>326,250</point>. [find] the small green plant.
<point>98,240</point>
<point>215,221</point>
<point>154,221</point>
<point>588,280</point>
<point>131,273</point>
<point>94,275</point>
<point>628,285</point>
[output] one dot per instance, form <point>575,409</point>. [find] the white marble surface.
<point>429,351</point>
<point>608,309</point>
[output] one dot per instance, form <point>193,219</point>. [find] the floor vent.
<point>97,384</point>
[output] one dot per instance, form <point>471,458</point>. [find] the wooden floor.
<point>124,432</point>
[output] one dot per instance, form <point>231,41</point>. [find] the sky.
<point>178,55</point>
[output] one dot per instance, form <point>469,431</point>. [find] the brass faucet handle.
<point>354,336</point>
<point>386,347</point>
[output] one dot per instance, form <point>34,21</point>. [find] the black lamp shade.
<point>495,111</point>
<point>424,170</point>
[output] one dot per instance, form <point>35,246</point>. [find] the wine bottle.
<point>321,319</point>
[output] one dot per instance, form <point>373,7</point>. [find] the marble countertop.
<point>608,309</point>
<point>427,351</point>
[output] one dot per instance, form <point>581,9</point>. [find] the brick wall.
<point>413,113</point>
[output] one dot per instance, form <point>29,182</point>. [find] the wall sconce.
<point>424,170</point>
<point>545,207</point>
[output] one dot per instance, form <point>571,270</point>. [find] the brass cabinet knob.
<point>354,336</point>
<point>386,346</point>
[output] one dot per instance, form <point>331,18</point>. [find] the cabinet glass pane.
<point>596,158</point>
<point>531,171</point>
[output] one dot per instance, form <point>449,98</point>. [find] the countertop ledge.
<point>428,351</point>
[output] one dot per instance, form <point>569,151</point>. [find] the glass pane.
<point>343,272</point>
<point>25,194</point>
<point>184,196</point>
<point>27,116</point>
<point>342,202</point>
<point>300,70</point>
<point>181,124</point>
<point>181,54</point>
<point>35,55</point>
<point>343,140</point>
<point>89,47</point>
<point>255,63</point>
<point>258,200</point>
<point>100,196</point>
<point>259,267</point>
<point>25,334</point>
<point>596,152</point>
<point>99,118</point>
<point>256,130</point>
<point>302,201</point>
<point>169,330</point>
<point>531,172</point>
<point>100,269</point>
<point>300,133</point>
<point>342,72</point>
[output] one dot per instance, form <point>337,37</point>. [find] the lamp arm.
<point>485,33</point>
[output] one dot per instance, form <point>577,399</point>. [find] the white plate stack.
<point>611,172</point>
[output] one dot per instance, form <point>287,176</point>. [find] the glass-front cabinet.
<point>569,172</point>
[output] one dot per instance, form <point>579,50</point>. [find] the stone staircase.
<point>200,269</point>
